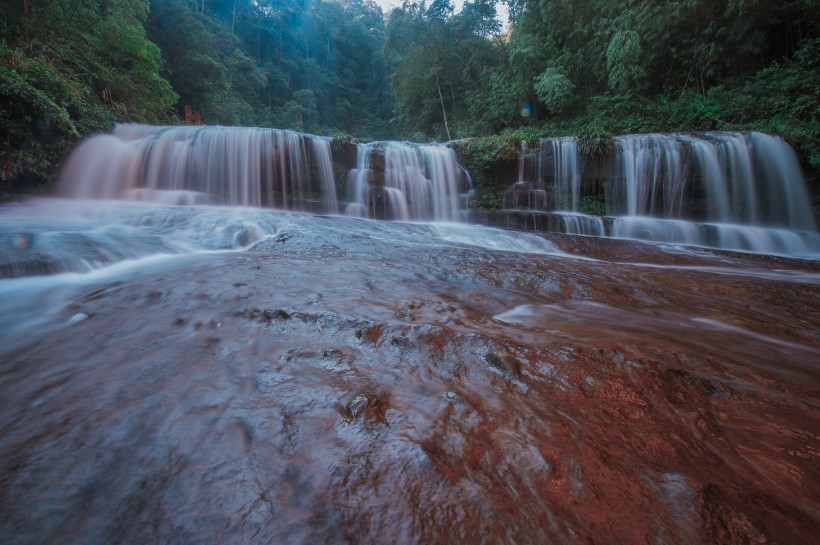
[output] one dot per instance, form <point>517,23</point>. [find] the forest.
<point>424,71</point>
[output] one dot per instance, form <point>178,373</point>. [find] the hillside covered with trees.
<point>69,68</point>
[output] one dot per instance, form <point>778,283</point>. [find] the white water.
<point>650,172</point>
<point>567,175</point>
<point>324,163</point>
<point>421,182</point>
<point>202,165</point>
<point>556,183</point>
<point>358,183</point>
<point>728,190</point>
<point>557,187</point>
<point>718,177</point>
<point>53,235</point>
<point>493,239</point>
<point>582,224</point>
<point>784,189</point>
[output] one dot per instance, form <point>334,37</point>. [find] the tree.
<point>440,58</point>
<point>623,61</point>
<point>554,89</point>
<point>70,67</point>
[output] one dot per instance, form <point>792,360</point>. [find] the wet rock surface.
<point>351,381</point>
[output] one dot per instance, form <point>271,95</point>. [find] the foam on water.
<point>63,235</point>
<point>493,239</point>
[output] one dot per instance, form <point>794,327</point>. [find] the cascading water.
<point>324,163</point>
<point>524,193</point>
<point>420,182</point>
<point>582,224</point>
<point>783,186</point>
<point>358,182</point>
<point>647,170</point>
<point>662,183</point>
<point>566,167</point>
<point>202,165</point>
<point>556,187</point>
<point>729,190</point>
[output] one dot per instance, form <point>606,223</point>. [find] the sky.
<point>387,5</point>
<point>501,9</point>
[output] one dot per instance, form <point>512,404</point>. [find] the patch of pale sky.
<point>500,9</point>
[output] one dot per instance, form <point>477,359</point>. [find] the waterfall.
<point>202,165</point>
<point>710,189</point>
<point>727,189</point>
<point>714,177</point>
<point>566,167</point>
<point>556,186</point>
<point>415,182</point>
<point>359,194</point>
<point>582,224</point>
<point>784,188</point>
<point>650,170</point>
<point>324,163</point>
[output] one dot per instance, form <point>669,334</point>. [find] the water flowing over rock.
<point>202,165</point>
<point>420,182</point>
<point>567,171</point>
<point>741,191</point>
<point>729,190</point>
<point>235,375</point>
<point>745,179</point>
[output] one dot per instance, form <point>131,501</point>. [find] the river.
<point>180,374</point>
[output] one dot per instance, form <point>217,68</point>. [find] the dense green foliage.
<point>57,85</point>
<point>564,67</point>
<point>307,65</point>
<point>439,59</point>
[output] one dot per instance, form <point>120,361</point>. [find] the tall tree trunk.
<point>443,110</point>
<point>25,20</point>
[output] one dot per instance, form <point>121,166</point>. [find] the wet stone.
<point>369,392</point>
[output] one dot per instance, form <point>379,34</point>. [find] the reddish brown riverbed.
<point>351,382</point>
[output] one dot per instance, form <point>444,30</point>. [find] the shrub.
<point>595,142</point>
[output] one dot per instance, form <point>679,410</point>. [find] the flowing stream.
<point>421,182</point>
<point>179,372</point>
<point>742,191</point>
